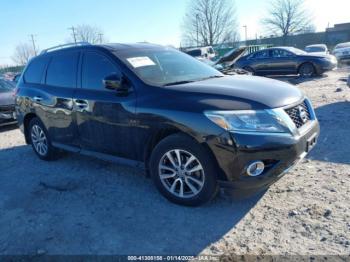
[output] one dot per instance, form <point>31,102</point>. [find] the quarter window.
<point>95,68</point>
<point>62,70</point>
<point>35,70</point>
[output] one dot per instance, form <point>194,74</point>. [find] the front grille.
<point>300,114</point>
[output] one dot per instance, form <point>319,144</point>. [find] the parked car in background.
<point>226,62</point>
<point>154,107</point>
<point>286,61</point>
<point>349,81</point>
<point>319,49</point>
<point>342,52</point>
<point>7,102</point>
<point>202,52</point>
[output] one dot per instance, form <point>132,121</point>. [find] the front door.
<point>282,62</point>
<point>104,118</point>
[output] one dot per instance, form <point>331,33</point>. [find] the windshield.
<point>343,45</point>
<point>161,67</point>
<point>6,86</point>
<point>313,49</point>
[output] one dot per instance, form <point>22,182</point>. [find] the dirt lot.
<point>79,205</point>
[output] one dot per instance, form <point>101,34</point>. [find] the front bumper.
<point>326,66</point>
<point>279,152</point>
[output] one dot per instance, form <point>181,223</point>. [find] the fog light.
<point>256,168</point>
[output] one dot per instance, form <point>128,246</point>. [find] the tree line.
<point>80,33</point>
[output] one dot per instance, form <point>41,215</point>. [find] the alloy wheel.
<point>181,173</point>
<point>307,71</point>
<point>39,140</point>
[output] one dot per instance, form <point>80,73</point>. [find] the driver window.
<point>261,54</point>
<point>95,68</point>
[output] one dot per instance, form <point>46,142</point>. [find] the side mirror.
<point>118,83</point>
<point>113,82</point>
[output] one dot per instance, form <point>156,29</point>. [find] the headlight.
<point>248,121</point>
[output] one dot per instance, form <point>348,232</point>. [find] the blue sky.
<point>157,21</point>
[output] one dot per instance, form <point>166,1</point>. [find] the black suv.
<point>190,127</point>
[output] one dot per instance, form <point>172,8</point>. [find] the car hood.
<point>232,56</point>
<point>7,98</point>
<point>245,92</point>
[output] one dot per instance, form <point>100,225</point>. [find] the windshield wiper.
<point>179,83</point>
<point>191,81</point>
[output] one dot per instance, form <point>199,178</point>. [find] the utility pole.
<point>73,32</point>
<point>246,34</point>
<point>100,37</point>
<point>33,42</point>
<point>197,17</point>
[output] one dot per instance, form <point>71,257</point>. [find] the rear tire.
<point>40,140</point>
<point>307,70</point>
<point>183,171</point>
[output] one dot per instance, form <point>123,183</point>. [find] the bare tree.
<point>209,22</point>
<point>286,17</point>
<point>87,33</point>
<point>23,53</point>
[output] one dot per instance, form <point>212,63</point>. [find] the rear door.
<point>104,118</point>
<point>52,96</point>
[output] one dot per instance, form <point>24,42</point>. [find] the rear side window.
<point>35,70</point>
<point>95,68</point>
<point>62,70</point>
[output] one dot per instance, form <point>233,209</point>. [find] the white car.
<point>342,52</point>
<point>206,52</point>
<point>319,49</point>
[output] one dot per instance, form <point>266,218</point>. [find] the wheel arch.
<point>163,133</point>
<point>307,62</point>
<point>26,120</point>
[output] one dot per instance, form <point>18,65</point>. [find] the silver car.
<point>7,102</point>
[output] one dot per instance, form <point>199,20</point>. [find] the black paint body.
<point>126,127</point>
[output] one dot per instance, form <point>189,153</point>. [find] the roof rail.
<point>57,47</point>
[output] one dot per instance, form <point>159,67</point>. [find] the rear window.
<point>62,70</point>
<point>343,45</point>
<point>35,70</point>
<point>314,49</point>
<point>194,53</point>
<point>6,86</point>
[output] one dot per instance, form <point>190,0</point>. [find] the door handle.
<point>37,98</point>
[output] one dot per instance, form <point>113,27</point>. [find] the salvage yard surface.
<point>80,205</point>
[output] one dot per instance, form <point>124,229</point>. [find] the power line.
<point>73,32</point>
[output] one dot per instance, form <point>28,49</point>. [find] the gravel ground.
<point>80,205</point>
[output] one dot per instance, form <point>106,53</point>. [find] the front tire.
<point>183,172</point>
<point>40,140</point>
